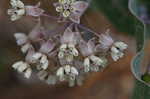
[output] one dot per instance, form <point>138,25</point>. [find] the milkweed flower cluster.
<point>69,56</point>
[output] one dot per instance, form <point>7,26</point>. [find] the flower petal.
<point>22,67</point>
<point>28,73</point>
<point>68,37</point>
<point>21,38</point>
<point>86,48</point>
<point>29,57</point>
<point>121,45</point>
<point>47,47</point>
<point>34,10</point>
<point>37,32</point>
<point>17,64</point>
<point>60,71</point>
<point>79,7</point>
<point>106,41</point>
<point>26,47</point>
<point>74,71</point>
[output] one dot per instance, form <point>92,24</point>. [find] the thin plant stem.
<point>88,29</point>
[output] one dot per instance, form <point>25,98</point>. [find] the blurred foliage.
<point>141,61</point>
<point>118,13</point>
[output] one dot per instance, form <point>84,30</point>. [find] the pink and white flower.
<point>88,51</point>
<point>68,42</point>
<point>116,48</point>
<point>67,71</point>
<point>23,67</point>
<point>71,9</point>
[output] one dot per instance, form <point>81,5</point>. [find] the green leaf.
<point>141,60</point>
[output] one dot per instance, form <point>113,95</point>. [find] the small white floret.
<point>28,73</point>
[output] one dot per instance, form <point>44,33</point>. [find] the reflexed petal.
<point>26,47</point>
<point>114,56</point>
<point>21,38</point>
<point>22,67</point>
<point>29,55</point>
<point>79,7</point>
<point>37,56</point>
<point>106,41</point>
<point>68,37</point>
<point>37,32</point>
<point>114,50</point>
<point>60,71</point>
<point>17,64</point>
<point>87,62</point>
<point>44,61</point>
<point>86,48</point>
<point>17,3</point>
<point>63,47</point>
<point>121,45</point>
<point>28,73</point>
<point>45,65</point>
<point>20,12</point>
<point>47,47</point>
<point>34,11</point>
<point>15,17</point>
<point>74,71</point>
<point>75,52</point>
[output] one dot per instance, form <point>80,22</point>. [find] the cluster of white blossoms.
<point>66,56</point>
<point>71,9</point>
<point>19,9</point>
<point>23,67</point>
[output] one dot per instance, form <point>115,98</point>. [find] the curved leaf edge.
<point>136,59</point>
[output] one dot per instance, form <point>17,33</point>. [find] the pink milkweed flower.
<point>23,41</point>
<point>19,9</point>
<point>71,9</point>
<point>34,10</point>
<point>68,45</point>
<point>37,33</point>
<point>106,41</point>
<point>116,48</point>
<point>67,71</point>
<point>88,51</point>
<point>23,67</point>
